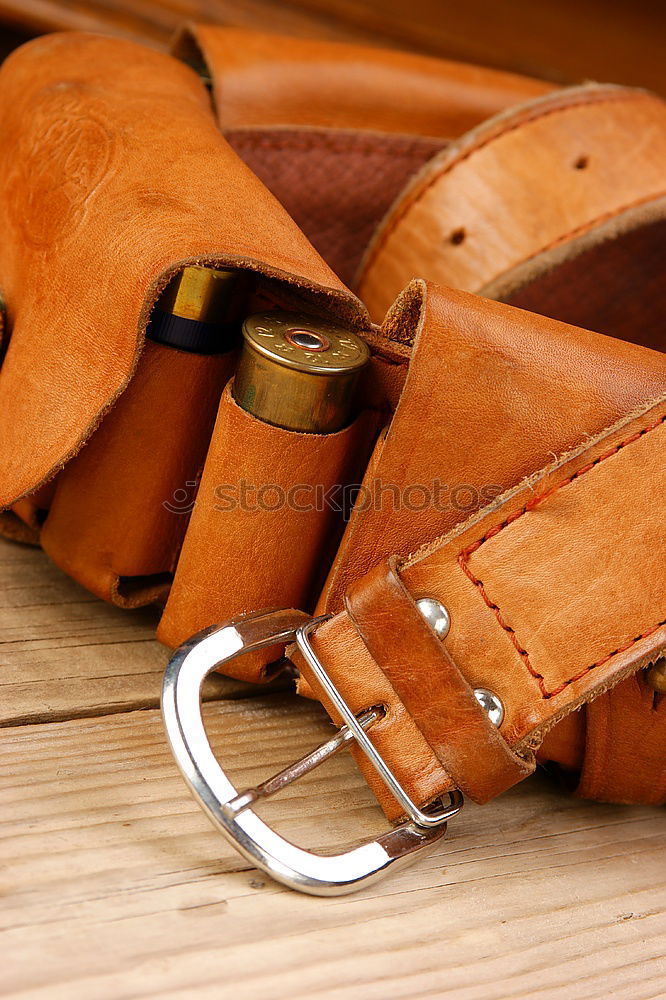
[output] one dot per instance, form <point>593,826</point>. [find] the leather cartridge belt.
<point>497,591</point>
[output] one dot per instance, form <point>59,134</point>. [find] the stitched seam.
<point>464,555</point>
<point>585,226</point>
<point>467,154</point>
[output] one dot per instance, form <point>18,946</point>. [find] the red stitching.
<point>464,555</point>
<point>600,219</point>
<point>417,195</point>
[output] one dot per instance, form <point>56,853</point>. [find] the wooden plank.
<point>114,885</point>
<point>63,653</point>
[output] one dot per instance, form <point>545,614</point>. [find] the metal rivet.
<point>435,614</point>
<point>491,705</point>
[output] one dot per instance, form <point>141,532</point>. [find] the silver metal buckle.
<point>230,810</point>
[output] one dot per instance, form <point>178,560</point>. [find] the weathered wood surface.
<point>113,884</point>
<point>562,40</point>
<point>65,654</point>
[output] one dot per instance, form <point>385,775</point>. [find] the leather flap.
<point>265,80</point>
<point>492,394</point>
<point>115,175</point>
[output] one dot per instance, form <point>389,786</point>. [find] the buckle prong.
<point>231,811</point>
<point>300,767</point>
<point>424,819</point>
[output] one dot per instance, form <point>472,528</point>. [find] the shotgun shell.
<point>200,311</point>
<point>298,372</point>
<point>656,677</point>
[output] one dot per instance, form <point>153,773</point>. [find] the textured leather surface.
<point>115,524</point>
<point>337,184</point>
<point>263,80</point>
<point>515,389</point>
<point>115,176</point>
<point>525,181</point>
<point>555,594</point>
<point>442,704</point>
<point>570,282</point>
<point>267,546</point>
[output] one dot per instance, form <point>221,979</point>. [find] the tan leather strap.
<point>555,595</point>
<point>264,80</point>
<point>526,181</point>
<point>443,706</point>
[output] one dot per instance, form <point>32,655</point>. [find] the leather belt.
<point>582,608</point>
<point>511,611</point>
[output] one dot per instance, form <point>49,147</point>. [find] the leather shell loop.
<point>431,687</point>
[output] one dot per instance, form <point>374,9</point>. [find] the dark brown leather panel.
<point>610,279</point>
<point>336,184</point>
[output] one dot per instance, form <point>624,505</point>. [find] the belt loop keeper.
<point>443,705</point>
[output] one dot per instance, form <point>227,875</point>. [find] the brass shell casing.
<point>299,372</point>
<point>205,294</point>
<point>656,677</point>
<point>200,310</point>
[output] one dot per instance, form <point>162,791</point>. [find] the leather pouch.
<point>120,510</point>
<point>268,515</point>
<point>118,178</point>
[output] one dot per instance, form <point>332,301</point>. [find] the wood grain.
<point>114,884</point>
<point>63,653</point>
